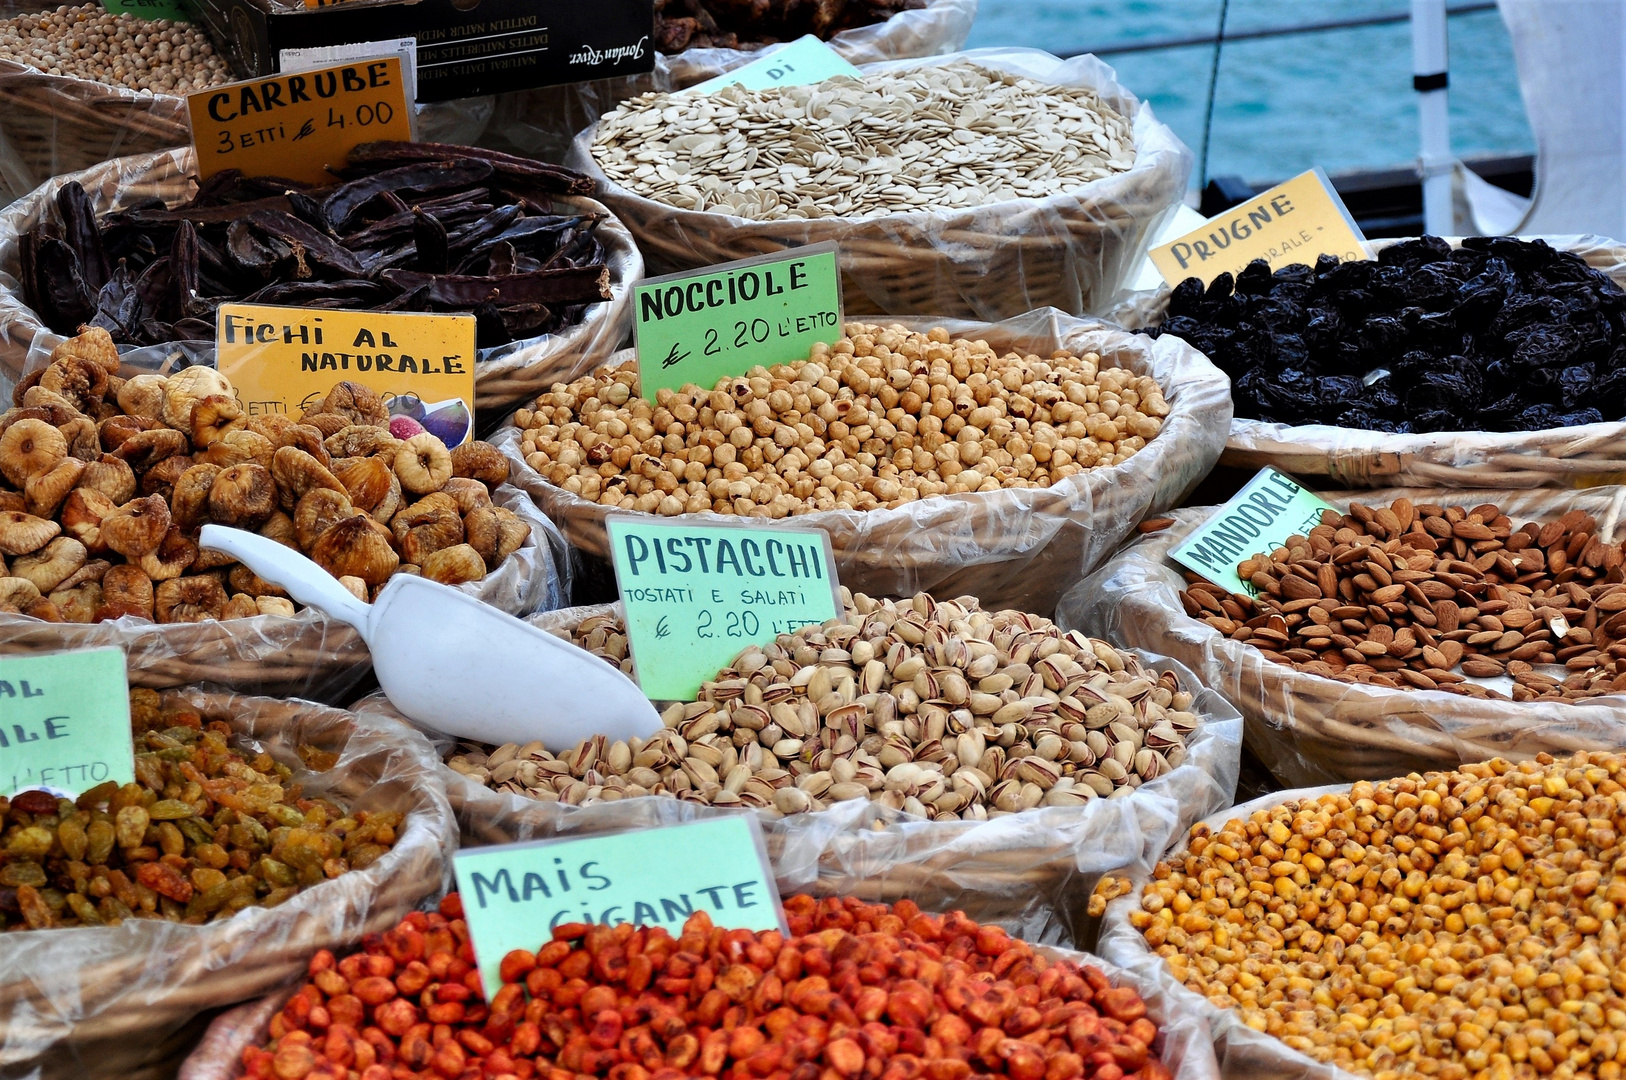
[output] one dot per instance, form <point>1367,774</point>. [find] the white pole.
<point>1429,66</point>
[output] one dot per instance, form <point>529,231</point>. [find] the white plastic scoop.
<point>455,665</point>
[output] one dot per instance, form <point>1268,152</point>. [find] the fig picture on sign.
<point>282,360</point>
<point>1270,508</point>
<point>299,125</point>
<point>700,326</point>
<point>64,722</point>
<point>696,595</point>
<point>514,895</point>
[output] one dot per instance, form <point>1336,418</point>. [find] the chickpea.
<point>88,43</point>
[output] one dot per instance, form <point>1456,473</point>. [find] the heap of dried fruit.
<point>884,417</point>
<point>1457,924</point>
<point>857,991</point>
<point>749,24</point>
<point>1403,596</point>
<point>938,709</point>
<point>105,483</point>
<point>205,831</point>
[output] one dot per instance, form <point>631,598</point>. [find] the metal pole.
<point>1430,65</point>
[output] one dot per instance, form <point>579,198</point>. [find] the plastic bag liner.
<point>1308,729</point>
<point>88,1003</point>
<point>1013,548</point>
<point>1031,872</point>
<point>1582,456</point>
<point>502,376</point>
<point>1071,251</point>
<point>1242,1052</point>
<point>542,122</point>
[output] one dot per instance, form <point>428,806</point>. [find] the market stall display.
<point>148,255</point>
<point>97,1000</point>
<point>1489,361</point>
<point>1316,714</point>
<point>1426,963</point>
<point>924,224</point>
<point>1015,537</point>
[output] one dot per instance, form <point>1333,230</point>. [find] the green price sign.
<point>64,722</point>
<point>1259,518</point>
<point>697,595</point>
<point>805,60</point>
<point>173,10</point>
<point>515,894</point>
<point>702,326</point>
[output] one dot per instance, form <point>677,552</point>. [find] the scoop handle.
<point>305,581</point>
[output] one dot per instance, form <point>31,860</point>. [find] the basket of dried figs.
<point>1419,630</point>
<point>139,248</point>
<point>256,832</point>
<point>923,748</point>
<point>979,185</point>
<point>1494,362</point>
<point>997,460</point>
<point>106,479</point>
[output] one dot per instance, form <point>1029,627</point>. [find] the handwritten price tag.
<point>702,326</point>
<point>1259,518</point>
<point>696,595</point>
<point>64,722</point>
<point>805,60</point>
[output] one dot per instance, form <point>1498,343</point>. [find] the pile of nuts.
<point>856,990</point>
<point>1451,925</point>
<point>86,42</point>
<point>935,708</point>
<point>882,418</point>
<point>927,139</point>
<point>205,831</point>
<point>1404,595</point>
<point>105,483</point>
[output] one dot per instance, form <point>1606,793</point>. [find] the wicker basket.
<point>102,1002</point>
<point>309,655</point>
<point>1030,872</point>
<point>1012,548</point>
<point>1574,457</point>
<point>503,376</point>
<point>1071,251</point>
<point>1308,729</point>
<point>542,122</point>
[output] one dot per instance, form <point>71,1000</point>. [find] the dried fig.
<point>362,441</point>
<point>213,417</point>
<point>189,501</point>
<point>272,426</point>
<point>243,496</point>
<point>110,476</point>
<point>280,527</point>
<point>61,409</point>
<point>367,479</point>
<point>160,479</point>
<point>12,416</point>
<point>80,381</point>
<point>29,447</point>
<point>328,424</point>
<point>17,593</point>
<point>79,603</point>
<point>297,472</point>
<point>495,532</point>
<point>358,547</point>
<point>386,510</point>
<point>91,343</point>
<point>211,560</point>
<point>43,610</point>
<point>185,388</point>
<point>240,448</point>
<point>24,534</point>
<point>240,607</point>
<point>317,512</point>
<point>174,555</point>
<point>126,590</point>
<point>244,580</point>
<point>275,605</point>
<point>25,384</point>
<point>454,565</point>
<point>13,500</point>
<point>427,525</point>
<point>94,570</point>
<point>83,442</point>
<point>357,587</point>
<point>46,490</point>
<point>136,528</point>
<point>51,565</point>
<point>113,431</point>
<point>309,438</point>
<point>479,461</point>
<point>189,599</point>
<point>357,403</point>
<point>143,396</point>
<point>423,464</point>
<point>145,449</point>
<point>470,494</point>
<point>82,514</point>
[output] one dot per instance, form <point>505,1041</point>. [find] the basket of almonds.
<point>1419,630</point>
<point>1438,924</point>
<point>927,749</point>
<point>106,480</point>
<point>980,185</point>
<point>997,460</point>
<point>256,832</point>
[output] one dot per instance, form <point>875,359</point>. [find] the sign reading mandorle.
<point>297,125</point>
<point>514,894</point>
<point>1259,518</point>
<point>695,595</point>
<point>64,722</point>
<point>704,325</point>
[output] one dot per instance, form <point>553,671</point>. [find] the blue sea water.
<point>1342,99</point>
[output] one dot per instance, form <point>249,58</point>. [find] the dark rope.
<point>1213,81</point>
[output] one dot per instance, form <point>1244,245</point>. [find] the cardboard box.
<point>465,47</point>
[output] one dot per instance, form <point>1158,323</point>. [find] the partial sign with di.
<point>64,722</point>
